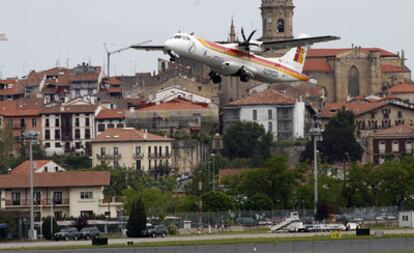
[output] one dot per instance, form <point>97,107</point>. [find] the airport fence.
<point>254,218</point>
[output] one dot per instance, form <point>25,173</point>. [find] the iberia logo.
<point>300,52</point>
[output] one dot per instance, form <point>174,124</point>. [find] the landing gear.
<point>215,77</point>
<point>173,57</point>
<point>244,77</point>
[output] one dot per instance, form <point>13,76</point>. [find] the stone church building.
<point>343,73</point>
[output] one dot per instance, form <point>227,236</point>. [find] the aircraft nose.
<point>169,44</point>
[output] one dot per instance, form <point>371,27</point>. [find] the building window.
<point>86,213</point>
<point>16,198</point>
<point>57,122</point>
<point>116,165</point>
<point>138,165</point>
<point>36,198</point>
<point>111,125</point>
<point>400,115</point>
<point>86,195</point>
<point>270,114</point>
<point>34,122</point>
<point>270,126</point>
<point>77,145</point>
<point>77,134</point>
<point>254,114</point>
<point>167,151</point>
<point>137,150</point>
<point>101,127</point>
<point>47,144</point>
<point>22,123</point>
<point>409,147</point>
<point>149,150</point>
<point>87,122</point>
<point>120,126</point>
<point>281,26</point>
<point>116,151</point>
<point>47,134</point>
<point>382,147</point>
<point>58,215</point>
<point>103,151</point>
<point>353,82</point>
<point>58,145</point>
<point>87,133</point>
<point>405,218</point>
<point>57,134</point>
<point>77,122</point>
<point>57,198</point>
<point>395,146</point>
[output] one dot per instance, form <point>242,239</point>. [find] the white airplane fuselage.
<point>228,60</point>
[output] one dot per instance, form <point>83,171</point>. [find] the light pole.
<point>31,137</point>
<point>213,172</point>
<point>316,134</point>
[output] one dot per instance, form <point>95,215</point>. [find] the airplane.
<point>242,58</point>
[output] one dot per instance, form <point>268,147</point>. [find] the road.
<point>361,246</point>
<point>380,245</point>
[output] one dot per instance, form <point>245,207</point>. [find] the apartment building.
<point>110,119</point>
<point>56,192</point>
<point>135,149</point>
<point>278,113</point>
<point>68,127</point>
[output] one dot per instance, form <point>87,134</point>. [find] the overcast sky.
<point>44,33</point>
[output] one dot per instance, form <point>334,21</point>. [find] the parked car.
<point>155,231</point>
<point>67,234</point>
<point>89,233</point>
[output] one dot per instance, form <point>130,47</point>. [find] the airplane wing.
<point>285,44</point>
<point>148,48</point>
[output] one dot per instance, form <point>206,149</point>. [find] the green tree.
<point>46,228</point>
<point>339,143</point>
<point>247,140</point>
<point>81,222</point>
<point>137,219</point>
<point>259,202</point>
<point>216,202</point>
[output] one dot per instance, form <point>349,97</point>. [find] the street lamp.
<point>316,134</point>
<point>214,179</point>
<point>31,136</point>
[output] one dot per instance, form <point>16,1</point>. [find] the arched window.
<point>353,82</point>
<point>281,26</point>
<point>395,146</point>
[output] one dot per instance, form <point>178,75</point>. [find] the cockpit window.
<point>186,38</point>
<point>177,37</point>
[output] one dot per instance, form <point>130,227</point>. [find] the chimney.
<point>145,134</point>
<point>62,108</point>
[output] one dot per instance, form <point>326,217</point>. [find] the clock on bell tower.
<point>277,16</point>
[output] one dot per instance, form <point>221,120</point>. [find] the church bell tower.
<point>277,16</point>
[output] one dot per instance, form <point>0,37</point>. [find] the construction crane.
<point>109,53</point>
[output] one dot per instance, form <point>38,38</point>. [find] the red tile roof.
<point>115,90</point>
<point>332,52</point>
<point>317,65</point>
<point>8,81</point>
<point>111,114</point>
<point>266,97</point>
<point>358,108</point>
<point>401,130</point>
<point>21,107</point>
<point>127,135</point>
<point>15,90</point>
<point>394,69</point>
<point>19,178</point>
<point>175,105</point>
<point>69,109</point>
<point>401,88</point>
<point>113,81</point>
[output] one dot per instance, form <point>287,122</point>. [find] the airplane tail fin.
<point>295,57</point>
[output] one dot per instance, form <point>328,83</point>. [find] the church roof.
<point>332,52</point>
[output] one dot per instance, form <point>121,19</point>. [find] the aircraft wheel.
<point>244,78</point>
<point>216,79</point>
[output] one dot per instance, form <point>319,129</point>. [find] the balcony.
<point>138,156</point>
<point>25,203</point>
<point>159,156</point>
<point>105,157</point>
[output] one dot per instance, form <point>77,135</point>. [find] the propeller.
<point>246,40</point>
